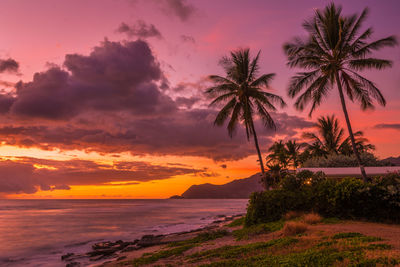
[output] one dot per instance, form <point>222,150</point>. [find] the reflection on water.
<point>38,232</point>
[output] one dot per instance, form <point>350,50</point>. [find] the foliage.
<point>236,222</point>
<point>202,237</point>
<point>243,94</point>
<point>330,139</point>
<point>339,160</point>
<point>254,230</point>
<point>333,52</point>
<point>378,200</point>
<point>298,252</point>
<point>294,228</point>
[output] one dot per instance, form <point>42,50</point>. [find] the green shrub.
<point>378,200</point>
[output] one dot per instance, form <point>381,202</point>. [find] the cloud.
<point>187,39</point>
<point>114,77</point>
<point>179,8</point>
<point>116,100</point>
<point>395,126</point>
<point>22,176</point>
<point>223,166</point>
<point>9,65</point>
<point>140,29</point>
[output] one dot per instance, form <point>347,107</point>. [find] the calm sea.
<point>38,232</point>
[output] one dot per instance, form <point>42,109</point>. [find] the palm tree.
<point>333,53</point>
<point>293,151</point>
<point>285,154</point>
<point>329,138</point>
<point>278,155</point>
<point>243,95</point>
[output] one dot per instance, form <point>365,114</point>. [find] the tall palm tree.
<point>243,94</point>
<point>329,138</point>
<point>333,53</point>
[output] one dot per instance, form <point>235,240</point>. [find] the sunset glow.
<point>107,99</point>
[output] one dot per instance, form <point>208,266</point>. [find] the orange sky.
<point>98,123</point>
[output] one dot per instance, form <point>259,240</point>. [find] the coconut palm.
<point>243,94</point>
<point>278,155</point>
<point>334,53</point>
<point>293,151</point>
<point>285,154</point>
<point>329,138</point>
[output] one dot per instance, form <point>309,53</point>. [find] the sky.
<point>105,99</point>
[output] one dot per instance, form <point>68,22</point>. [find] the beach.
<point>40,232</point>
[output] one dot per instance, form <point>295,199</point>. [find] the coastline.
<point>324,243</point>
<point>108,252</point>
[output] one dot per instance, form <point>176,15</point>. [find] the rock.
<point>150,240</point>
<point>73,264</point>
<point>130,248</point>
<point>67,256</point>
<point>121,258</point>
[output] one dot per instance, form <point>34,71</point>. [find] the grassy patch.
<point>250,231</point>
<point>237,222</point>
<point>229,252</point>
<point>200,238</point>
<point>162,254</point>
<point>294,228</point>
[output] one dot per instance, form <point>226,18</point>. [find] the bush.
<point>350,198</point>
<point>294,228</point>
<point>312,218</point>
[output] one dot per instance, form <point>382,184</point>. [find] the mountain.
<point>393,160</point>
<point>240,188</point>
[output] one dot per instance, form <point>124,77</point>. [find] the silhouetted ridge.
<point>241,188</point>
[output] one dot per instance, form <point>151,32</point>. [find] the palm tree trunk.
<point>346,115</point>
<point>258,149</point>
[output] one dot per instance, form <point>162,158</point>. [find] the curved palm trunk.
<point>346,115</point>
<point>258,149</point>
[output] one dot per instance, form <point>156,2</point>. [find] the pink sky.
<point>38,34</point>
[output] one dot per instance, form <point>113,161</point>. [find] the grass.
<point>200,238</point>
<point>237,222</point>
<point>162,254</point>
<point>312,218</point>
<point>254,230</point>
<point>292,215</point>
<point>315,249</point>
<point>178,248</point>
<point>294,228</point>
<point>228,252</point>
<point>337,251</point>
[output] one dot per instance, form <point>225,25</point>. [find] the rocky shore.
<point>111,250</point>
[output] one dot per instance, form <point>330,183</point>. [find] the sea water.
<point>39,232</point>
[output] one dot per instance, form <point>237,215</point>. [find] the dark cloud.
<point>9,65</point>
<point>187,39</point>
<point>180,8</point>
<point>187,102</point>
<point>183,133</point>
<point>112,101</point>
<point>140,29</point>
<point>395,126</point>
<point>6,101</point>
<point>23,177</point>
<point>223,166</point>
<point>114,77</point>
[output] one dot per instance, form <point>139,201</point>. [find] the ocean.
<point>39,232</point>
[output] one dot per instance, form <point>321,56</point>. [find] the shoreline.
<point>111,251</point>
<point>327,242</point>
